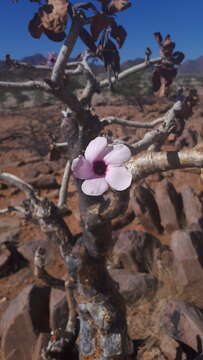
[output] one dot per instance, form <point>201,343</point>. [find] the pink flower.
<point>102,166</point>
<point>51,59</point>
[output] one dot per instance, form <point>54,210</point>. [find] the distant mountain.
<point>192,66</point>
<point>35,59</point>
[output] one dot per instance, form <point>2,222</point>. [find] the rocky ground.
<point>158,254</point>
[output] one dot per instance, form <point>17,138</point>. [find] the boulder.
<point>28,249</point>
<point>146,209</point>
<point>134,251</point>
<point>133,287</point>
<point>26,316</point>
<point>183,322</point>
<point>58,309</point>
<point>9,230</point>
<point>169,347</point>
<point>5,261</point>
<point>41,343</point>
<point>170,205</point>
<point>45,182</point>
<point>192,206</point>
<point>188,261</point>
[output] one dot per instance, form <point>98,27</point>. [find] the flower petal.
<point>120,154</point>
<point>94,187</point>
<point>81,168</point>
<point>118,177</point>
<point>95,149</point>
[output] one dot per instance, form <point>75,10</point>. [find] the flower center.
<point>99,167</point>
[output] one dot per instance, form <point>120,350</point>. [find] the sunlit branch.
<point>131,70</point>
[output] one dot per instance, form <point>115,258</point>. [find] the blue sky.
<point>183,19</point>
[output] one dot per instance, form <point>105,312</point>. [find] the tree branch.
<point>71,326</point>
<point>26,85</point>
<point>66,49</point>
<point>64,185</point>
<point>158,136</point>
<point>130,71</point>
<point>41,273</point>
<point>92,83</point>
<point>10,209</point>
<point>152,162</point>
<point>142,125</point>
<point>20,184</point>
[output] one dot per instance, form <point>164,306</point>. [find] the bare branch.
<point>142,125</point>
<point>66,49</point>
<point>20,184</point>
<point>41,273</point>
<point>130,71</point>
<point>64,185</point>
<point>92,83</point>
<point>76,71</point>
<point>152,162</point>
<point>157,137</point>
<point>72,317</point>
<point>25,85</point>
<point>10,209</point>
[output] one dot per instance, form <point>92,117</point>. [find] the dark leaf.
<point>178,57</point>
<point>99,23</point>
<point>119,34</point>
<point>110,56</point>
<point>34,27</point>
<point>162,79</point>
<point>158,37</point>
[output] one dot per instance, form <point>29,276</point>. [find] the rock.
<point>26,316</point>
<point>192,206</point>
<point>146,209</point>
<point>5,261</point>
<point>41,343</point>
<point>169,204</point>
<point>9,230</point>
<point>134,251</point>
<point>187,139</point>
<point>45,182</point>
<point>133,287</point>
<point>169,347</point>
<point>29,172</point>
<point>188,262</point>
<point>28,249</point>
<point>183,323</point>
<point>43,168</point>
<point>58,309</point>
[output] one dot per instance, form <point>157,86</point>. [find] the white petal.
<point>120,154</point>
<point>81,168</point>
<point>94,187</point>
<point>95,148</point>
<point>118,177</point>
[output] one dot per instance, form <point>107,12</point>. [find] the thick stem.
<point>66,50</point>
<point>152,162</point>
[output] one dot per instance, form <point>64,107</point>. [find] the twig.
<point>41,273</point>
<point>72,317</point>
<point>64,185</point>
<point>10,209</point>
<point>20,184</point>
<point>158,136</point>
<point>25,85</point>
<point>142,125</point>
